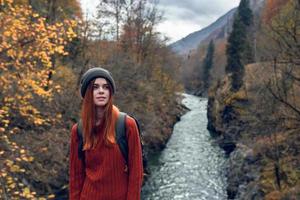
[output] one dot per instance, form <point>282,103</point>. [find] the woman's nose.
<point>100,89</point>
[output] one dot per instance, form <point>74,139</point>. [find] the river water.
<point>190,167</point>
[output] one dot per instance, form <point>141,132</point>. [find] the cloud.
<point>186,16</point>
<point>200,7</point>
<point>177,29</point>
<point>181,17</point>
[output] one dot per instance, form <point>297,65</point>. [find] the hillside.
<point>264,151</point>
<point>217,30</point>
<point>257,124</point>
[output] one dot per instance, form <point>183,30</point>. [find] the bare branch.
<point>280,99</point>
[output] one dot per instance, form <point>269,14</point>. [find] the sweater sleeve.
<point>135,163</point>
<point>76,168</point>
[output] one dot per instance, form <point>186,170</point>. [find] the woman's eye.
<point>95,87</point>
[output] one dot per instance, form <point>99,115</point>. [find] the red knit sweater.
<point>105,175</point>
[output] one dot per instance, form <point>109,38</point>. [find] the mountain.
<point>217,30</point>
<point>190,42</point>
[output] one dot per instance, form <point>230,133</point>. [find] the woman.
<point>103,174</point>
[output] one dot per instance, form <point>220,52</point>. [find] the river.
<point>191,167</point>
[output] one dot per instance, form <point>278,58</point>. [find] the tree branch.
<point>279,98</point>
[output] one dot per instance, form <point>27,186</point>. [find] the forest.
<point>45,46</point>
<point>249,72</point>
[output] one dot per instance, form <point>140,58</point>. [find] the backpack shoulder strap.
<point>80,141</point>
<point>121,135</point>
<point>137,124</point>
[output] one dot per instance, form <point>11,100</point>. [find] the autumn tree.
<point>101,23</point>
<point>55,10</point>
<point>280,48</point>
<point>140,61</point>
<point>139,29</point>
<point>110,14</point>
<point>27,43</point>
<point>272,8</point>
<point>283,32</point>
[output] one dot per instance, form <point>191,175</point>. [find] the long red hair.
<point>88,117</point>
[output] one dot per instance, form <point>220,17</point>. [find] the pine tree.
<point>239,51</point>
<point>245,12</point>
<point>234,53</point>
<point>208,64</point>
<point>246,17</point>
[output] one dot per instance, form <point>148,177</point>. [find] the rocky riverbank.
<point>262,164</point>
<point>156,139</point>
<point>226,127</point>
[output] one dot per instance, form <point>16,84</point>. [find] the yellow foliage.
<point>27,159</point>
<point>26,192</point>
<point>51,196</point>
<point>15,168</point>
<point>9,163</point>
<point>12,184</point>
<point>237,96</point>
<point>30,159</point>
<point>27,44</point>
<point>3,174</point>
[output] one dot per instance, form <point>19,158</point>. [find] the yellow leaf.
<point>30,159</point>
<point>7,33</point>
<point>51,196</point>
<point>9,180</point>
<point>9,162</point>
<point>12,186</point>
<point>25,158</point>
<point>15,168</point>
<point>26,191</point>
<point>44,149</point>
<point>5,121</point>
<point>4,174</point>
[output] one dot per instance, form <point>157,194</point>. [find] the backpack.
<point>120,137</point>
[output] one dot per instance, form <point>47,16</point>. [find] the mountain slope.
<point>217,30</point>
<point>192,41</point>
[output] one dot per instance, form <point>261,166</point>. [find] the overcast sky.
<point>182,17</point>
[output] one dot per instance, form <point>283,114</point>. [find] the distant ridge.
<point>217,30</point>
<point>190,42</point>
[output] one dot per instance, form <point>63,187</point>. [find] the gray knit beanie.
<point>91,74</point>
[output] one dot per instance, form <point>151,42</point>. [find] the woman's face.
<point>101,92</point>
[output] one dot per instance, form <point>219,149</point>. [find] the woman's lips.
<point>100,98</point>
